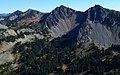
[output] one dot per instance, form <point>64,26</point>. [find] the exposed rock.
<point>97,24</point>
<point>3,26</point>
<point>62,20</point>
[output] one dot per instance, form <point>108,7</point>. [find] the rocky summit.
<point>97,25</point>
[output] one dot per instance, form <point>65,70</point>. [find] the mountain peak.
<point>97,13</point>
<point>17,12</point>
<point>31,10</point>
<point>62,6</point>
<point>62,9</point>
<point>97,6</point>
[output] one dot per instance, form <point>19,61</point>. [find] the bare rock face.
<point>97,24</point>
<point>61,20</point>
<point>101,27</point>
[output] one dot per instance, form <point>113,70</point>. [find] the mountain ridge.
<point>97,24</point>
<point>62,42</point>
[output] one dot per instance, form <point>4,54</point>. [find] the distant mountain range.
<point>4,15</point>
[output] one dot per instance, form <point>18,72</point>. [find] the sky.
<point>9,6</point>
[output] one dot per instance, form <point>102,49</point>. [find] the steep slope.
<point>61,20</point>
<point>101,27</point>
<point>105,26</point>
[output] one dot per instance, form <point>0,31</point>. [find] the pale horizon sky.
<point>9,6</point>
